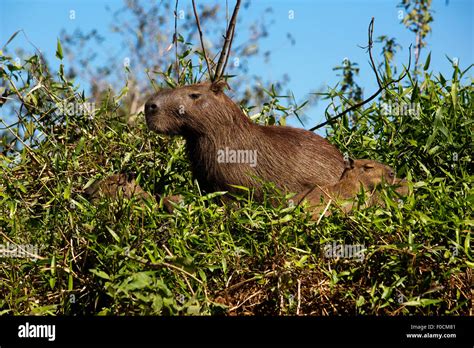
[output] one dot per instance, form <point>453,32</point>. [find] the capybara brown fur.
<point>358,174</point>
<point>225,148</point>
<point>118,186</point>
<point>115,186</point>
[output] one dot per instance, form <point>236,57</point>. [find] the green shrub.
<point>125,258</point>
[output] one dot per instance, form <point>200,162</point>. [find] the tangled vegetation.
<point>123,257</point>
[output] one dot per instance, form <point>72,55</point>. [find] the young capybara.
<point>118,186</point>
<point>225,148</point>
<point>115,186</point>
<point>366,174</point>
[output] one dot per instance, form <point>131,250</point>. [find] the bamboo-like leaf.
<point>59,50</point>
<point>427,63</point>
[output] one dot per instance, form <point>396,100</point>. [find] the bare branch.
<point>175,39</point>
<point>382,86</point>
<point>198,23</point>
<point>369,47</point>
<point>229,37</point>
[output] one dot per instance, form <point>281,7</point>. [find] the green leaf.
<point>454,94</point>
<point>123,93</point>
<point>53,264</point>
<point>157,303</point>
<point>360,301</point>
<point>127,157</point>
<point>114,235</point>
<point>427,301</point>
<point>67,192</point>
<point>427,63</point>
<point>243,188</point>
<point>52,282</point>
<point>436,127</point>
<point>59,50</point>
<point>284,219</point>
<point>442,79</point>
<point>139,281</point>
<point>214,194</point>
<point>388,70</point>
<point>11,38</point>
<point>80,146</point>
<point>193,309</point>
<point>412,303</point>
<point>467,243</point>
<point>423,302</point>
<point>70,284</point>
<point>100,274</point>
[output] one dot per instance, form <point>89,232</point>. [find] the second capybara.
<point>117,186</point>
<point>358,174</point>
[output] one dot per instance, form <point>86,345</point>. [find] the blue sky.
<point>325,31</point>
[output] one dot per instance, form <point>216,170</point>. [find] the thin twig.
<point>382,86</point>
<point>312,189</point>
<point>324,212</point>
<point>267,274</point>
<point>246,300</point>
<point>30,150</point>
<point>167,250</point>
<point>229,36</point>
<point>227,13</point>
<point>229,50</point>
<point>299,298</point>
<point>369,48</point>
<point>40,54</point>
<point>198,23</point>
<point>175,39</point>
<point>164,264</point>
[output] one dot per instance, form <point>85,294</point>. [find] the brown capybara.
<point>114,186</point>
<point>225,148</point>
<point>358,174</point>
<point>125,186</point>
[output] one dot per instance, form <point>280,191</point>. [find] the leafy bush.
<point>123,257</point>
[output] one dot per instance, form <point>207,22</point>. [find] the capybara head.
<point>357,174</point>
<point>369,174</point>
<point>192,109</point>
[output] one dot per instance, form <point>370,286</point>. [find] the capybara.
<point>125,186</point>
<point>358,174</point>
<point>226,148</point>
<point>115,186</point>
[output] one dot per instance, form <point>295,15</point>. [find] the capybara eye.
<point>194,96</point>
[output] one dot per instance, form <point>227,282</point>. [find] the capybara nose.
<point>150,107</point>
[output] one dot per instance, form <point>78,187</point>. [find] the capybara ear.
<point>349,163</point>
<point>368,166</point>
<point>219,86</point>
